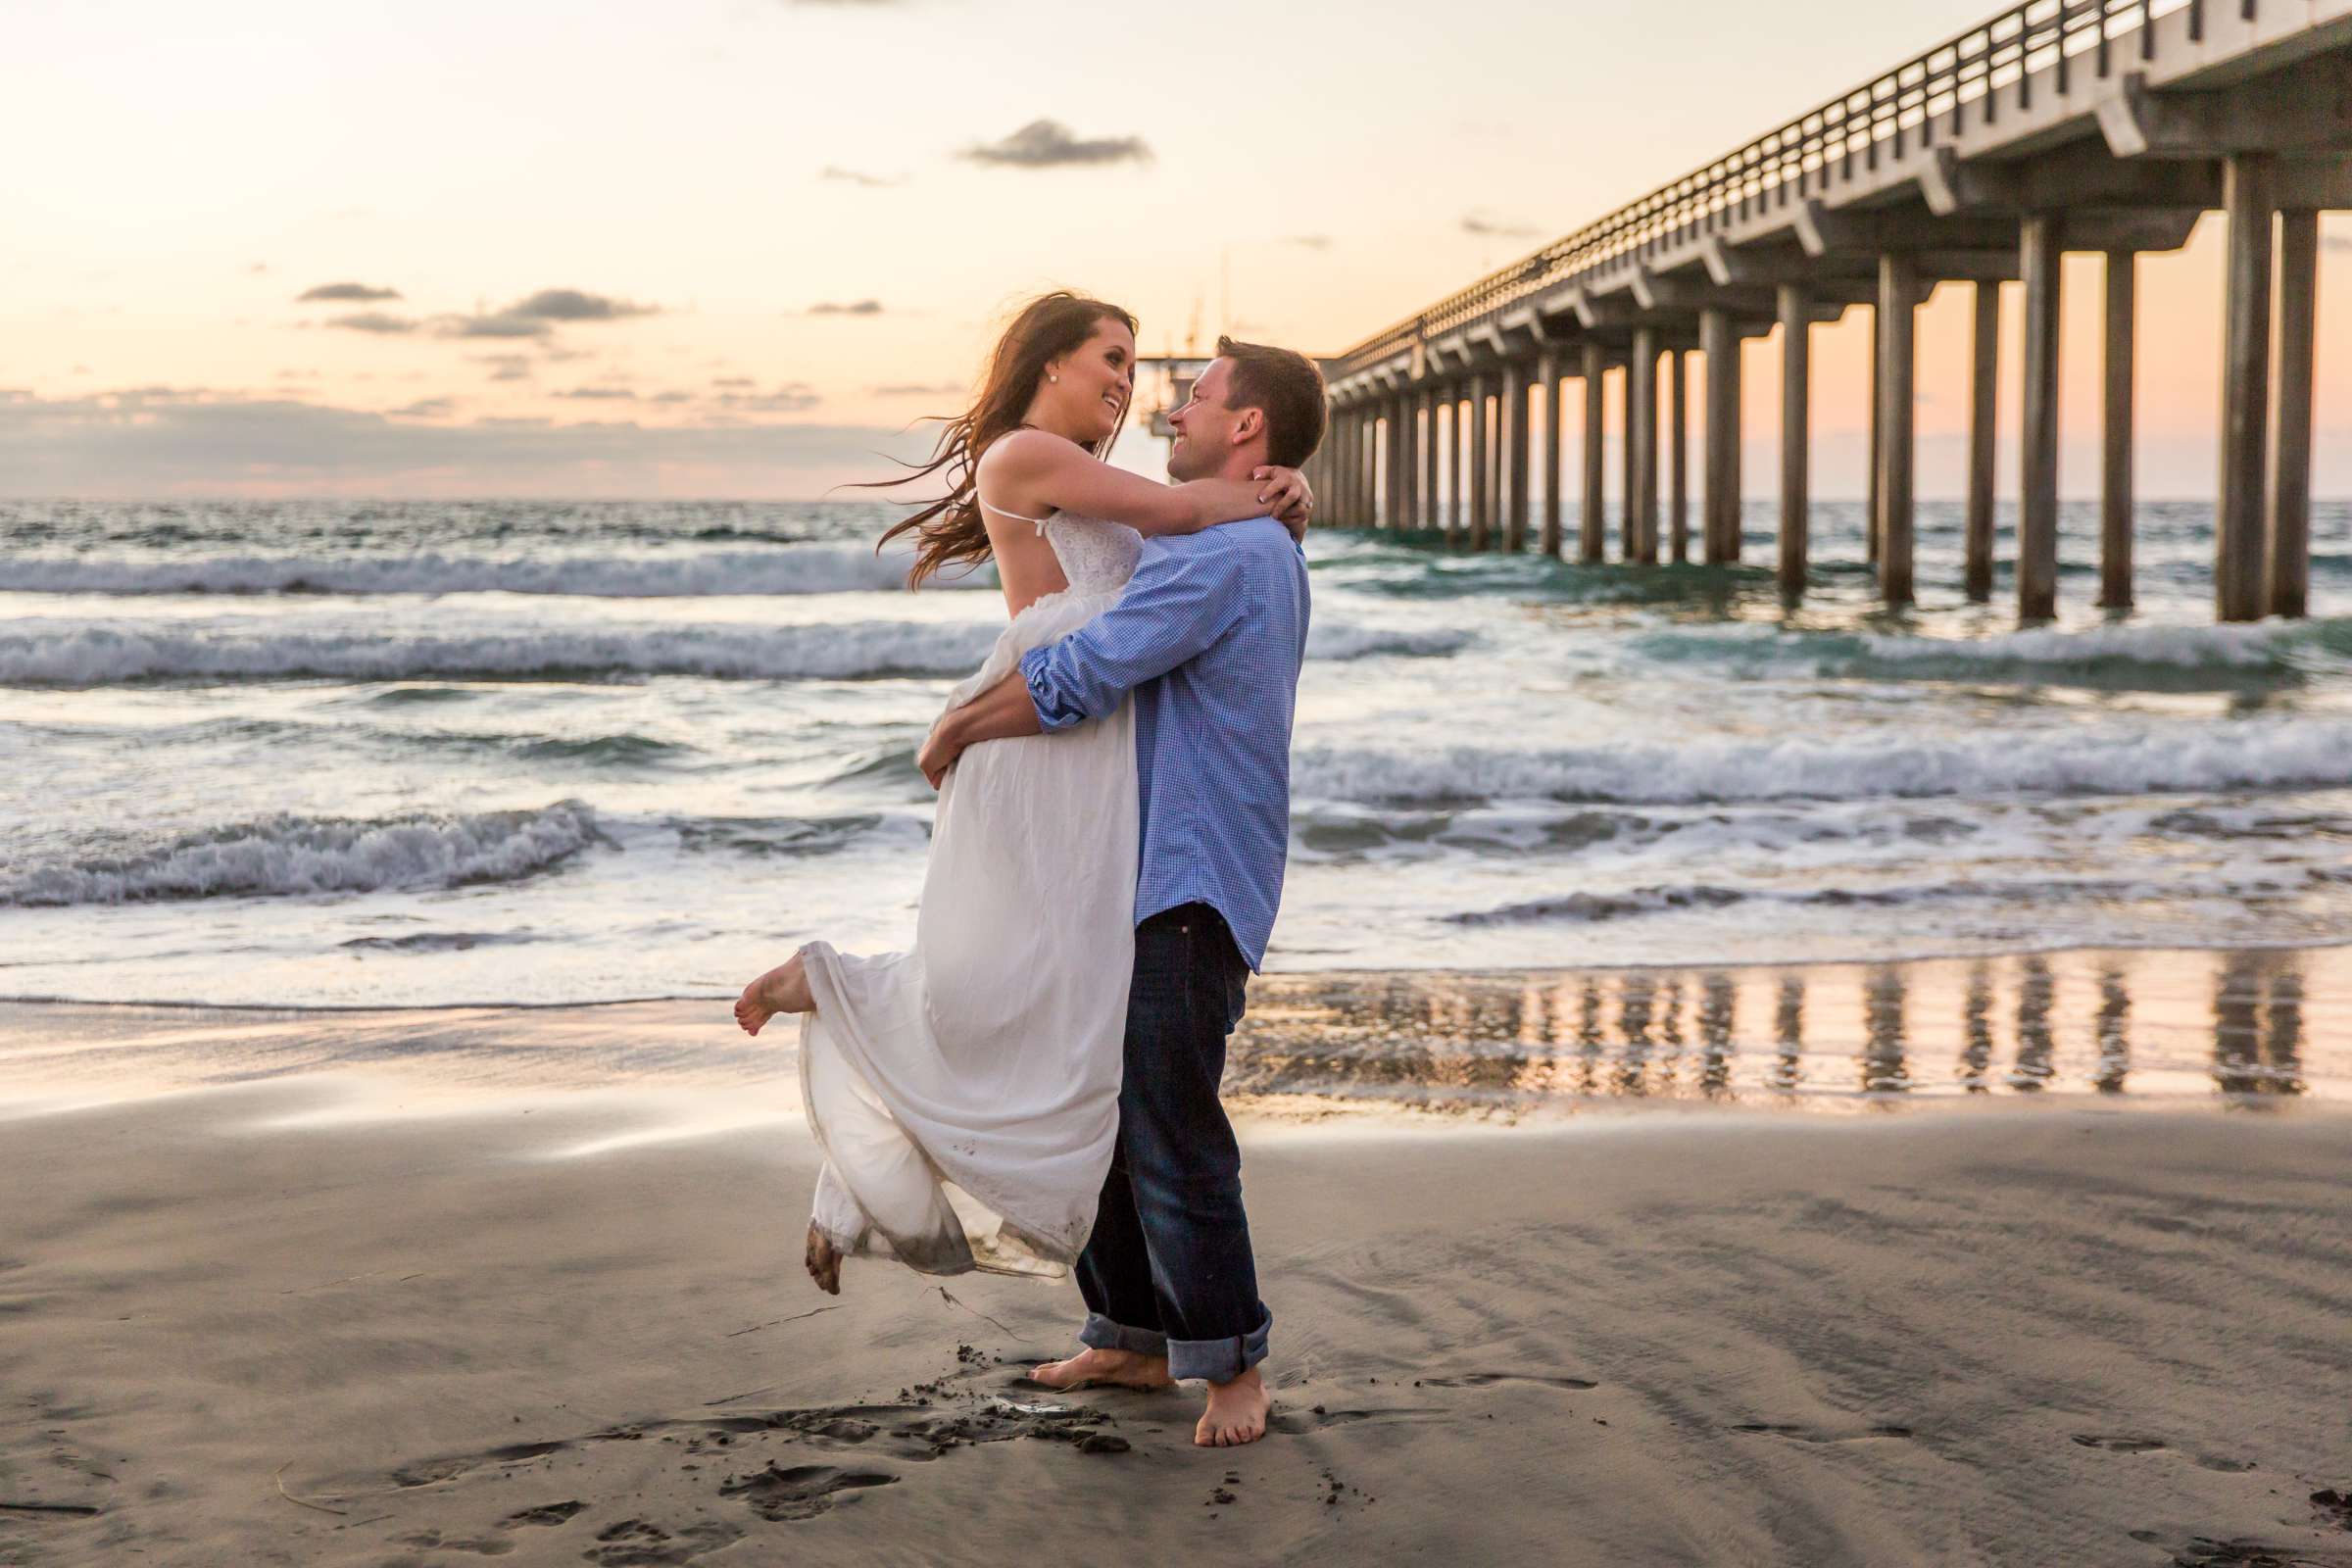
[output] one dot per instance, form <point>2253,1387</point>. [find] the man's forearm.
<point>998,713</point>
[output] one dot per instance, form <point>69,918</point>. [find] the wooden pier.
<point>2102,126</point>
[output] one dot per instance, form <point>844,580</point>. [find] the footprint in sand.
<point>2119,1444</point>
<point>1298,1422</point>
<point>426,1472</point>
<point>552,1513</point>
<point>1807,1435</point>
<point>1480,1380</point>
<point>435,1541</point>
<point>802,1491</point>
<point>639,1544</point>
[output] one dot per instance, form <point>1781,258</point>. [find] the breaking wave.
<point>296,855</point>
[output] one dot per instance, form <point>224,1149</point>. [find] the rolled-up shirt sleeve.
<point>1182,596</point>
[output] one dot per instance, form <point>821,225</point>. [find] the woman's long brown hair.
<point>949,531</point>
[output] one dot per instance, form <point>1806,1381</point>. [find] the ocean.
<point>413,753</point>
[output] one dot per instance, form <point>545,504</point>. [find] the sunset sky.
<point>730,247</point>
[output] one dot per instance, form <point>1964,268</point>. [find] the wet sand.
<point>382,1312</point>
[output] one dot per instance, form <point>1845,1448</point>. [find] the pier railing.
<point>1981,73</point>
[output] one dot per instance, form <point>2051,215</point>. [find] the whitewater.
<point>439,752</point>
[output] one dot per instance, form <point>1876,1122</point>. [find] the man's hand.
<point>1001,712</point>
<point>1288,498</point>
<point>940,750</point>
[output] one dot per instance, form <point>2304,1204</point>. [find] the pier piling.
<point>1591,529</point>
<point>2289,552</point>
<point>1678,455</point>
<point>1721,345</point>
<point>1797,436</point>
<point>1514,456</point>
<point>1482,473</point>
<point>2247,196</point>
<point>1983,420</point>
<point>1641,448</point>
<point>1425,460</point>
<point>2115,465</point>
<point>1898,299</point>
<point>1548,372</point>
<point>2037,490</point>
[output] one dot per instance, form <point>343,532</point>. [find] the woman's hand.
<point>1288,498</point>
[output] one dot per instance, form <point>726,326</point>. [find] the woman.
<point>965,1092</point>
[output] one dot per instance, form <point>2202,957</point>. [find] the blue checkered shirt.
<point>1210,637</point>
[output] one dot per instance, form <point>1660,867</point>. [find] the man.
<point>1209,640</point>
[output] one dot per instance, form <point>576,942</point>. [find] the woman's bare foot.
<point>1236,1413</point>
<point>783,989</point>
<point>824,1258</point>
<point>1092,1368</point>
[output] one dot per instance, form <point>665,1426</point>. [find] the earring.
<point>1050,377</point>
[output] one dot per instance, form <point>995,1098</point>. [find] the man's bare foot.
<point>783,989</point>
<point>1236,1413</point>
<point>1091,1368</point>
<point>824,1261</point>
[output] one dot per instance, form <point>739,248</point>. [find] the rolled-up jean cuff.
<point>1102,1334</point>
<point>1220,1360</point>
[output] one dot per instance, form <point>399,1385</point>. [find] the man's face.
<point>1203,430</point>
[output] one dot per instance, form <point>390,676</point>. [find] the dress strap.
<point>990,505</point>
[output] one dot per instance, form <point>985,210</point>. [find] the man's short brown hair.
<point>1283,386</point>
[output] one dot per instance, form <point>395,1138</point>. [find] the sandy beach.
<point>341,1317</point>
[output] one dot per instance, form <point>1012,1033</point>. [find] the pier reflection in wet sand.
<point>2244,1026</point>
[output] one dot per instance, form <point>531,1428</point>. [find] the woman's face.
<point>1096,381</point>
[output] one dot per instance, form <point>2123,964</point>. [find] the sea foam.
<point>104,656</point>
<point>810,568</point>
<point>2253,753</point>
<point>2278,646</point>
<point>285,853</point>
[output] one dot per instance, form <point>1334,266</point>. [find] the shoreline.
<point>2139,1027</point>
<point>1333,972</point>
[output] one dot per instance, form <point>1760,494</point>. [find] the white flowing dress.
<point>965,1092</point>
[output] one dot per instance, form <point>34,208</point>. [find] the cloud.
<point>258,267</point>
<point>1049,144</point>
<point>499,324</point>
<point>734,381</point>
<point>356,293</point>
<point>918,389</point>
<point>2336,242</point>
<point>585,392</point>
<point>671,397</point>
<point>504,367</point>
<point>572,305</point>
<point>373,322</point>
<point>537,315</point>
<point>858,176</point>
<point>1309,242</point>
<point>793,397</point>
<point>1473,223</point>
<point>428,409</point>
<point>858,308</point>
<point>151,441</point>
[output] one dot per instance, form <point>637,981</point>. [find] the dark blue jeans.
<point>1168,1270</point>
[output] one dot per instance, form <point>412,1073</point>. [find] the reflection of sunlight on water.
<point>2147,1025</point>
<point>2245,1028</point>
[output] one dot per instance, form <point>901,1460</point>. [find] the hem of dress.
<point>923,1259</point>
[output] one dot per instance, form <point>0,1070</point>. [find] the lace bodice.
<point>1097,557</point>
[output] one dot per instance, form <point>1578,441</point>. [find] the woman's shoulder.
<point>1022,451</point>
